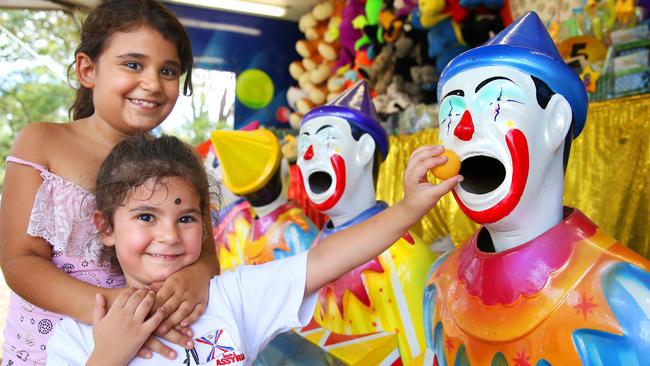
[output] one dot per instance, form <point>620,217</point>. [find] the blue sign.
<point>237,42</point>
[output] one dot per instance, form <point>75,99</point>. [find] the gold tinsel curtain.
<point>607,177</point>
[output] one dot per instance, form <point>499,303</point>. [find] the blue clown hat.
<point>526,45</point>
<point>355,106</point>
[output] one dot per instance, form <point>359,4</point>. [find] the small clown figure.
<point>253,167</point>
<point>538,283</point>
<point>373,314</point>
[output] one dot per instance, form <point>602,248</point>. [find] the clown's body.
<point>384,295</point>
<point>231,234</point>
<point>537,284</point>
<point>284,232</point>
<point>374,313</point>
<point>569,295</point>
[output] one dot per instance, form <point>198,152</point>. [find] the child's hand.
<point>420,196</point>
<point>121,332</point>
<point>183,295</point>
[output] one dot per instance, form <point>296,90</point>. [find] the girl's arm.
<point>347,249</point>
<point>26,261</point>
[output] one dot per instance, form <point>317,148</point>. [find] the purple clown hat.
<point>355,106</point>
<point>526,45</point>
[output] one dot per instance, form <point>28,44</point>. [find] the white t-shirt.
<point>246,309</point>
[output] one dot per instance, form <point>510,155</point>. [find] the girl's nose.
<point>151,82</point>
<point>465,128</point>
<point>309,154</point>
<point>169,234</point>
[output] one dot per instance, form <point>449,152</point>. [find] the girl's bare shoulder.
<point>35,141</point>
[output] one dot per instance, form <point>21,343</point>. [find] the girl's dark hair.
<point>121,16</point>
<point>137,159</point>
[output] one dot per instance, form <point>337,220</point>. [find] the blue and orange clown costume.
<point>373,314</point>
<point>571,296</point>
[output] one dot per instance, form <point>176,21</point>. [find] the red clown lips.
<point>338,164</point>
<point>518,147</point>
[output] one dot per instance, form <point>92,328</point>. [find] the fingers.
<point>134,301</point>
<point>99,310</point>
<point>185,330</point>
<point>165,298</point>
<point>421,169</point>
<point>152,323</point>
<point>144,352</point>
<point>143,307</point>
<point>123,298</point>
<point>422,160</point>
<point>199,309</point>
<point>155,345</point>
<point>182,312</point>
<point>180,339</point>
<point>446,185</point>
<point>425,151</point>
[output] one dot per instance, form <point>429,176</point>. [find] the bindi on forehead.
<point>177,201</point>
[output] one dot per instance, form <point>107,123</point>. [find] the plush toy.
<point>319,51</point>
<point>348,34</point>
<point>413,73</point>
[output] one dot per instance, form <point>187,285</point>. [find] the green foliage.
<point>30,91</point>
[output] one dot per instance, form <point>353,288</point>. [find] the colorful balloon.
<point>254,88</point>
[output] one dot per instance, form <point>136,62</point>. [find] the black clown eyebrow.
<point>487,81</point>
<point>322,128</point>
<point>458,92</point>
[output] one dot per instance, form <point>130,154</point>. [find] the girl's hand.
<point>121,332</point>
<point>420,196</point>
<point>183,295</point>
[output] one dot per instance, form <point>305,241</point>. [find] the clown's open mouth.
<point>482,174</point>
<point>319,182</point>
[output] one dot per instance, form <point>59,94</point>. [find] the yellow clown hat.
<point>248,159</point>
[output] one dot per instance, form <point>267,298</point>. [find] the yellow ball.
<point>448,169</point>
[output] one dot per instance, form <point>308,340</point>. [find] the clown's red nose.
<point>465,128</point>
<point>309,153</point>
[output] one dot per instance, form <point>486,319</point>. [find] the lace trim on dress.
<point>62,215</point>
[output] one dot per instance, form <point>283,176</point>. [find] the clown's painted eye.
<point>499,94</point>
<point>303,142</point>
<point>451,110</point>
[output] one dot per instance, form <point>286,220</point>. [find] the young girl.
<point>152,195</point>
<point>129,62</point>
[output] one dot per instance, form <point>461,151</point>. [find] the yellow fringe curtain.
<point>607,176</point>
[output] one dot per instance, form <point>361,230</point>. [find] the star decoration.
<point>585,305</point>
<point>449,344</point>
<point>522,359</point>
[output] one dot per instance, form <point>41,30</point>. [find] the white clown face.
<point>327,160</point>
<point>491,118</point>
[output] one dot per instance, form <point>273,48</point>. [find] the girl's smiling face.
<point>157,230</point>
<point>135,79</point>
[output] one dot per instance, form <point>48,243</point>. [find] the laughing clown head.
<point>339,146</point>
<point>510,109</point>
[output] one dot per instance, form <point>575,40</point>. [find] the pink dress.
<point>62,216</point>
